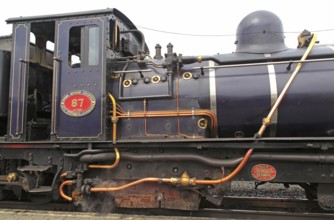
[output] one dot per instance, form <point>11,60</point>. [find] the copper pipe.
<point>177,99</point>
<point>177,115</point>
<point>153,64</point>
<point>114,117</point>
<point>108,166</point>
<point>112,189</point>
<point>266,121</point>
<point>61,188</point>
<point>120,108</point>
<point>158,115</point>
<point>172,113</point>
<point>177,180</point>
<point>177,108</point>
<point>145,124</point>
<point>231,175</point>
<point>62,176</point>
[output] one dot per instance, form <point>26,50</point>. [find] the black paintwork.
<point>4,82</point>
<point>242,94</point>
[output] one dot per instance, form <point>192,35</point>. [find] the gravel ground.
<point>6,214</point>
<point>268,190</point>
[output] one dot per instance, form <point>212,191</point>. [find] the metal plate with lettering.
<point>78,103</point>
<point>264,172</point>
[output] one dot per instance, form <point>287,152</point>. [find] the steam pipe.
<point>267,120</point>
<point>91,158</point>
<point>117,159</point>
<point>114,118</point>
<point>231,175</point>
<point>264,63</point>
<point>185,180</point>
<point>214,162</point>
<point>199,59</point>
<point>61,190</point>
<point>86,152</point>
<point>118,188</point>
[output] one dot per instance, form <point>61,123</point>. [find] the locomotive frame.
<point>150,131</point>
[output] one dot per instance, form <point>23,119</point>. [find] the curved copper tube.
<point>108,166</point>
<point>172,180</point>
<point>145,125</point>
<point>114,117</point>
<point>61,188</point>
<point>231,175</point>
<point>173,113</point>
<point>62,176</point>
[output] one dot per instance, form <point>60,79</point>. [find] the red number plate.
<point>78,103</point>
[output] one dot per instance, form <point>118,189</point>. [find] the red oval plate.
<point>78,103</point>
<point>264,172</point>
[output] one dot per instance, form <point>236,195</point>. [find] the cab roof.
<point>114,11</point>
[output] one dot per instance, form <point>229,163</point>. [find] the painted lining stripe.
<point>212,82</point>
<point>273,96</point>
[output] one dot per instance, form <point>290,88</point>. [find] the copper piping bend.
<point>62,176</point>
<point>117,159</point>
<point>114,118</point>
<point>231,175</point>
<point>176,180</point>
<point>61,190</point>
<point>181,113</point>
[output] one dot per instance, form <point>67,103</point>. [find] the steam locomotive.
<point>87,115</point>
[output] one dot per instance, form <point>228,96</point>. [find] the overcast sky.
<point>209,17</point>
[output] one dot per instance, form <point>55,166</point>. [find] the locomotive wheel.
<point>326,196</point>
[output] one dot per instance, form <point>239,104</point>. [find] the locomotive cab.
<point>58,74</point>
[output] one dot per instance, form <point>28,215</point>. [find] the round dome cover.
<point>260,32</point>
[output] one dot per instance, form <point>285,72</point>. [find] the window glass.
<point>74,50</point>
<point>50,46</point>
<point>93,46</point>
<point>32,38</point>
<point>84,46</point>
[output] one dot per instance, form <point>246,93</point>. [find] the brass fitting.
<point>199,59</point>
<point>266,121</point>
<point>114,120</point>
<point>127,83</point>
<point>11,177</point>
<point>187,75</point>
<point>202,123</point>
<point>184,180</point>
